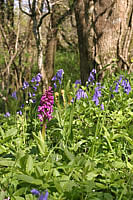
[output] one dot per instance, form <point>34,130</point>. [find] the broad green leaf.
<point>18,198</point>
<point>39,171</point>
<point>11,132</point>
<point>58,186</point>
<point>119,164</point>
<point>19,191</point>
<point>6,162</point>
<point>40,143</point>
<point>68,154</point>
<point>29,164</point>
<point>2,132</point>
<point>91,175</point>
<point>29,179</point>
<point>2,149</point>
<point>129,166</point>
<point>29,197</point>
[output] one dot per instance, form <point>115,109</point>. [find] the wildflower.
<point>126,85</point>
<point>7,114</point>
<point>35,88</point>
<point>41,196</point>
<point>77,82</point>
<point>44,197</point>
<point>38,77</point>
<point>92,76</point>
<point>22,106</point>
<point>46,105</point>
<point>35,192</point>
<point>116,87</point>
<point>14,95</point>
<point>96,95</point>
<point>81,94</point>
<point>102,106</point>
<point>25,85</point>
<point>29,93</point>
<point>19,112</point>
<point>58,76</point>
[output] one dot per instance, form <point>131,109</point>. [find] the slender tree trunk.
<point>82,40</point>
<point>50,54</point>
<point>2,12</point>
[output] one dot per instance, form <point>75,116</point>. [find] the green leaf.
<point>40,143</point>
<point>19,191</point>
<point>29,164</point>
<point>29,197</point>
<point>119,164</point>
<point>69,155</point>
<point>39,171</point>
<point>91,175</point>
<point>29,179</point>
<point>11,132</point>
<point>58,186</point>
<point>6,162</point>
<point>2,132</point>
<point>2,149</point>
<point>18,198</point>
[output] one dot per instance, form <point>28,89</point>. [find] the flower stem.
<point>44,130</point>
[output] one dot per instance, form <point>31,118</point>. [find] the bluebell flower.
<point>77,82</point>
<point>41,196</point>
<point>29,93</point>
<point>25,85</point>
<point>22,106</point>
<point>96,95</point>
<point>91,78</point>
<point>35,88</point>
<point>7,114</point>
<point>116,87</point>
<point>102,106</point>
<point>37,84</point>
<point>44,197</point>
<point>33,80</point>
<point>14,95</point>
<point>35,192</point>
<point>81,94</point>
<point>58,76</point>
<point>38,77</point>
<point>126,85</point>
<point>19,112</point>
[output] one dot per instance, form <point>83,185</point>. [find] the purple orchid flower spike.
<point>46,105</point>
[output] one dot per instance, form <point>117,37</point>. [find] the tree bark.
<point>82,39</point>
<point>105,33</point>
<point>114,32</point>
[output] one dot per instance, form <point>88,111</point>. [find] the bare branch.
<point>44,15</point>
<point>30,5</point>
<point>20,7</point>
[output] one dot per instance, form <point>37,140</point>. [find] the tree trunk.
<point>82,40</point>
<point>105,33</point>
<point>50,54</point>
<point>114,32</point>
